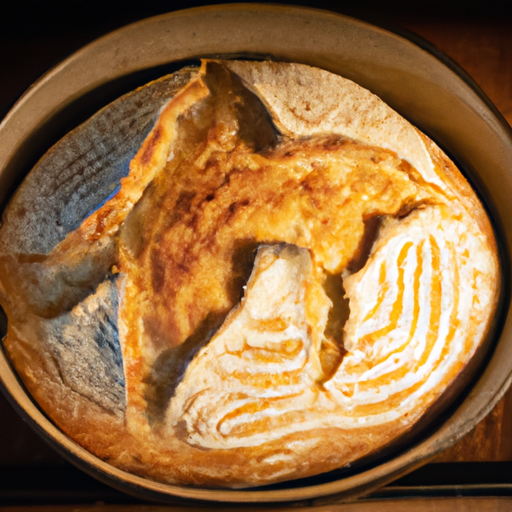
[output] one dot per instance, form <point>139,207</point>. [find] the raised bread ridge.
<point>306,101</point>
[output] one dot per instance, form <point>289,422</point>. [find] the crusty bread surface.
<point>294,274</point>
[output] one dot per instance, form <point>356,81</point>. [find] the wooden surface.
<point>36,35</point>
<point>435,505</point>
<point>482,46</point>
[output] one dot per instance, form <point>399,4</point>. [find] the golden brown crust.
<point>206,190</point>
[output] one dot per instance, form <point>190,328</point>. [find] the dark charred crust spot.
<point>233,207</point>
<point>306,187</point>
<point>184,268</point>
<point>158,273</point>
<point>151,145</point>
<point>182,207</point>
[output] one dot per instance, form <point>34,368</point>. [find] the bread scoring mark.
<point>269,380</point>
<point>398,304</point>
<point>383,291</point>
<point>436,292</point>
<point>257,416</point>
<point>285,349</point>
<point>418,275</point>
<point>331,349</point>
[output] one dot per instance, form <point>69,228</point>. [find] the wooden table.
<point>36,35</point>
<point>482,46</point>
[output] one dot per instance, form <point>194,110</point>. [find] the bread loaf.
<point>287,280</point>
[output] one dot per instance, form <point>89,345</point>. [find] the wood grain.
<point>396,505</point>
<point>483,48</point>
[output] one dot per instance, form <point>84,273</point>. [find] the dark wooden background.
<point>35,35</point>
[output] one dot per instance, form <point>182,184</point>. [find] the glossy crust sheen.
<point>333,189</point>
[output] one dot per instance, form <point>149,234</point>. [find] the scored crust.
<point>329,130</point>
<point>306,101</point>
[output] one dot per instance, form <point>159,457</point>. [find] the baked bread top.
<point>294,275</point>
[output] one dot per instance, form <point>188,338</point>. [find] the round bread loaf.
<point>288,278</point>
